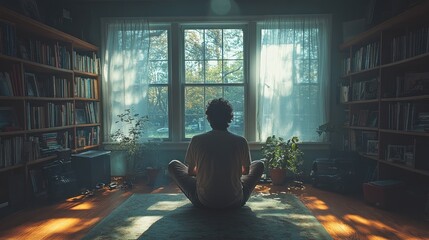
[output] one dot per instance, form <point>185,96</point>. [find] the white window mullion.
<point>250,51</point>
<point>176,97</point>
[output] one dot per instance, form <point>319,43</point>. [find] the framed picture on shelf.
<point>395,153</point>
<point>373,119</point>
<point>80,116</point>
<point>372,147</point>
<point>8,119</point>
<point>31,85</point>
<point>366,136</point>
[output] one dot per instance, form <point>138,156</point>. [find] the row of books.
<point>410,44</point>
<point>11,151</point>
<point>18,150</point>
<point>86,87</point>
<point>48,53</point>
<point>408,117</point>
<point>49,143</point>
<point>412,84</point>
<point>60,114</point>
<point>86,63</point>
<point>87,113</point>
<point>365,90</point>
<point>365,57</point>
<point>52,54</point>
<point>88,136</point>
<point>10,83</point>
<point>47,86</point>
<point>50,115</point>
<point>364,118</point>
<point>7,38</point>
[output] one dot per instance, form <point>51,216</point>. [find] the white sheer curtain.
<point>125,58</point>
<point>294,74</point>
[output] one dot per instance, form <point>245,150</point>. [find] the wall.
<point>86,17</point>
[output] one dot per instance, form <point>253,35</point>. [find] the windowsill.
<point>183,145</point>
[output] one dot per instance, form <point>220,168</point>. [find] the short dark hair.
<point>219,113</point>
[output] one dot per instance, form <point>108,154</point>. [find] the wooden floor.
<point>344,217</point>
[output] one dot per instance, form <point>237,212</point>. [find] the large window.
<point>213,67</point>
<point>181,66</point>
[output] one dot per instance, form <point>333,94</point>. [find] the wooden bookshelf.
<point>395,52</point>
<point>39,66</point>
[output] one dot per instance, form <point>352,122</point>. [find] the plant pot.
<point>152,175</point>
<point>278,176</point>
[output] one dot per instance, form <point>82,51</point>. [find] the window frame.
<point>183,84</point>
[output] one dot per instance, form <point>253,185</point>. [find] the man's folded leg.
<point>188,184</point>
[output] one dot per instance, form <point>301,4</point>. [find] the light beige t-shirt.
<point>219,157</point>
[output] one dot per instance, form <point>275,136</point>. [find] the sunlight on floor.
<point>167,205</point>
<point>58,227</point>
<point>314,203</point>
<point>83,206</point>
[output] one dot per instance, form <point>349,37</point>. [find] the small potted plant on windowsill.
<point>282,156</point>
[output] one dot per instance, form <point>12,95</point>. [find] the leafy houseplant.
<point>129,137</point>
<point>281,155</point>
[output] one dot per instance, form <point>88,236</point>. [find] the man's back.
<point>219,157</point>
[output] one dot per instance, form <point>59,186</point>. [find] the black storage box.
<point>61,180</point>
<point>91,168</point>
<point>337,174</point>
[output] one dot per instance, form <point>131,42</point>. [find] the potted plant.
<point>282,156</point>
<point>129,137</point>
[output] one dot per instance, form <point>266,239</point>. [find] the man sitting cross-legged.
<point>219,173</point>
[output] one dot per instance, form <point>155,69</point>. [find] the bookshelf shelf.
<point>361,128</point>
<point>41,160</point>
<point>49,97</point>
<point>362,102</point>
<point>401,99</point>
<point>422,172</point>
<point>362,72</point>
<point>411,133</point>
<point>385,73</point>
<point>12,167</point>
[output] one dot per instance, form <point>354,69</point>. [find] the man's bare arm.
<point>244,170</point>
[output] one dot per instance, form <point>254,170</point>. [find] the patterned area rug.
<point>171,216</point>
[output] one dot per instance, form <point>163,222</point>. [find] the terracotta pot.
<point>278,176</point>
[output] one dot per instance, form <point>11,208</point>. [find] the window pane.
<point>196,99</point>
<point>213,40</point>
<point>233,71</point>
<point>194,72</point>
<point>195,102</point>
<point>158,45</point>
<point>194,44</point>
<point>233,43</point>
<point>158,112</point>
<point>158,72</point>
<point>213,72</point>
